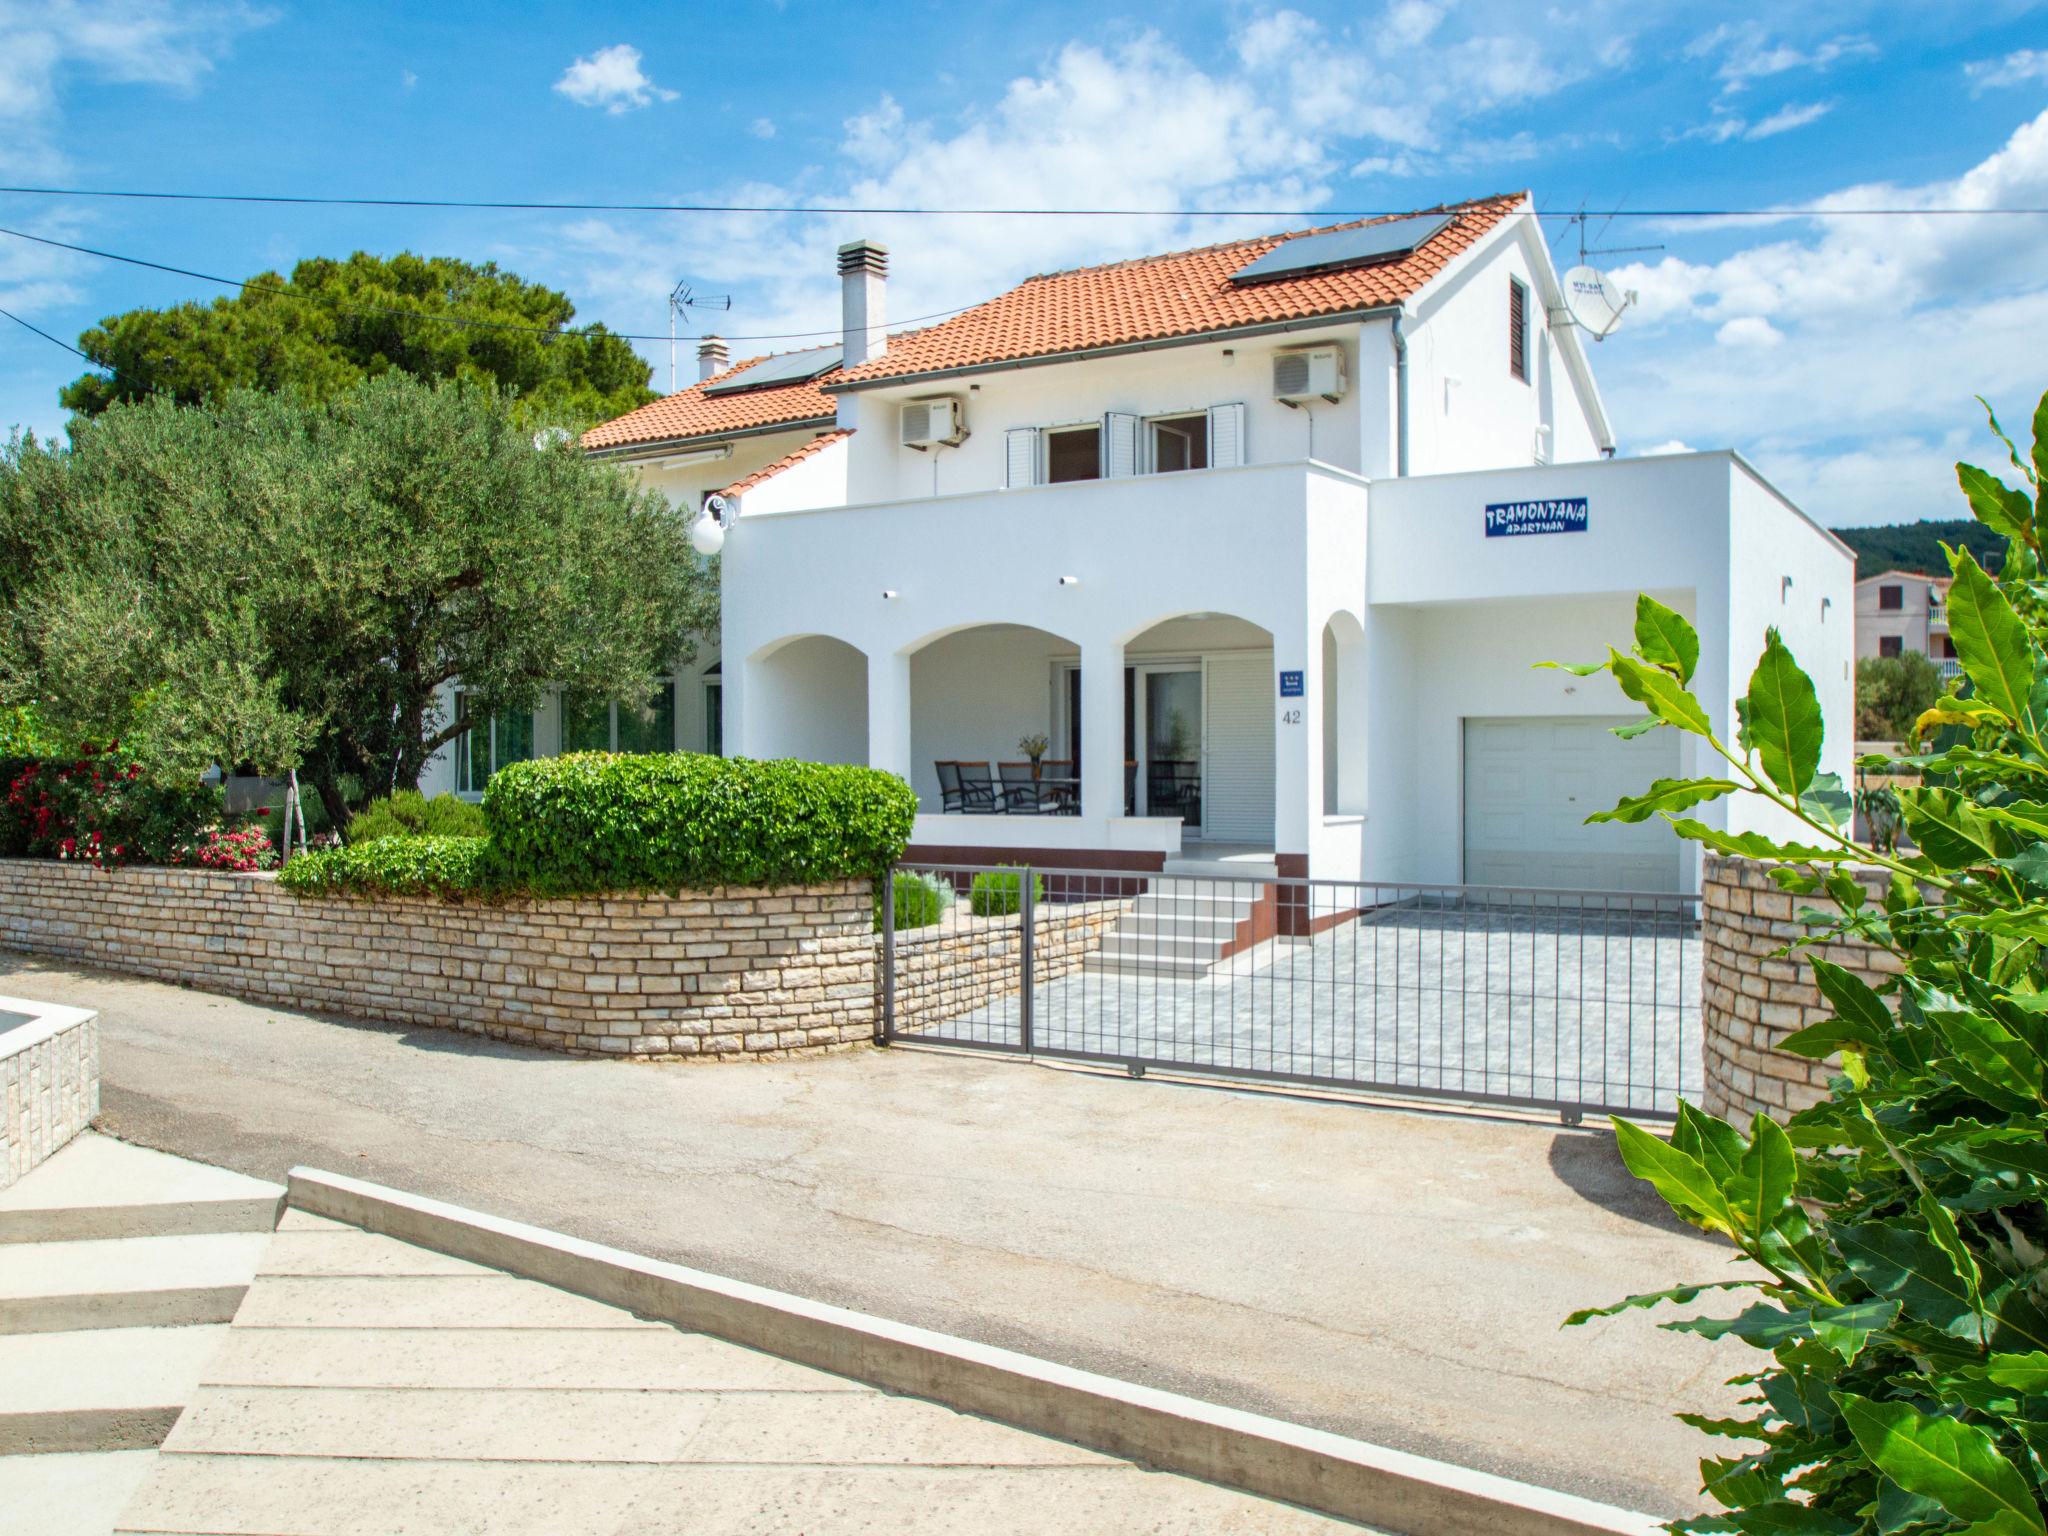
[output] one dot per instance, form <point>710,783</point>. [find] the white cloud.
<point>1748,52</point>
<point>407,79</point>
<point>1667,447</point>
<point>1885,327</point>
<point>762,127</point>
<point>613,79</point>
<point>120,42</point>
<point>1786,118</point>
<point>2016,68</point>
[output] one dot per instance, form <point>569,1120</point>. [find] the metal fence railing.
<point>1577,1001</point>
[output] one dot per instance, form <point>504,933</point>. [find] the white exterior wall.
<point>687,485</point>
<point>817,480</point>
<point>1466,410</point>
<point>1169,381</point>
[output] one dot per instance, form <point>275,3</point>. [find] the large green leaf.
<point>1716,1143</point>
<point>1851,996</point>
<point>1682,1180</point>
<point>1947,826</point>
<point>1665,639</point>
<point>1845,1330</point>
<point>1754,845</point>
<point>1763,1180</point>
<point>1660,693</point>
<point>1901,1262</point>
<point>1955,1464</point>
<point>1781,718</point>
<point>1678,1295</point>
<point>1666,795</point>
<point>1998,655</point>
<point>1996,504</point>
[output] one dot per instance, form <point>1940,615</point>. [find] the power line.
<point>278,291</point>
<point>54,341</point>
<point>811,211</point>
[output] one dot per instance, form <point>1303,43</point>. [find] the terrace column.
<point>889,713</point>
<point>1102,731</point>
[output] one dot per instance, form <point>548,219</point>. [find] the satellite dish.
<point>1593,301</point>
<point>550,437</point>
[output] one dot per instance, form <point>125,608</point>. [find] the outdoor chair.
<point>1059,787</point>
<point>952,797</point>
<point>1173,787</point>
<point>1020,790</point>
<point>978,789</point>
<point>1130,787</point>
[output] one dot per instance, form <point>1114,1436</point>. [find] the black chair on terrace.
<point>978,789</point>
<point>1020,790</point>
<point>1173,787</point>
<point>1059,787</point>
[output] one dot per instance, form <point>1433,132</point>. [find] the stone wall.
<point>1755,997</point>
<point>727,973</point>
<point>49,1084</point>
<point>963,963</point>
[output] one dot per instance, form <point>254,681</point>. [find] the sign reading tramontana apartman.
<point>1556,514</point>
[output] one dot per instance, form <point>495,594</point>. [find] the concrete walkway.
<point>369,1386</point>
<point>1390,1275</point>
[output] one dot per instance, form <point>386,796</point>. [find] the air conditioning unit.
<point>933,422</point>
<point>1309,373</point>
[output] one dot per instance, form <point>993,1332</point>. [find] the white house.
<point>1264,538</point>
<point>1900,611</point>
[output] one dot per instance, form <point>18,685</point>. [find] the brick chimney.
<point>711,357</point>
<point>863,280</point>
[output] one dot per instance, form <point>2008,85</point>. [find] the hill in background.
<point>1917,546</point>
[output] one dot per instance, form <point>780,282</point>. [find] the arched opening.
<point>980,699</point>
<point>1199,727</point>
<point>1343,716</point>
<point>808,698</point>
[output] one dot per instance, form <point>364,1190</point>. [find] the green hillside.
<point>1917,546</point>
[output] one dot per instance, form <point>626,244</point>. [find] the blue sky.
<point>1840,352</point>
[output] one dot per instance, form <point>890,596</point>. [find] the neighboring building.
<point>1902,611</point>
<point>1285,521</point>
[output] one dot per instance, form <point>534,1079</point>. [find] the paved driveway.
<point>1475,1002</point>
<point>1392,1274</point>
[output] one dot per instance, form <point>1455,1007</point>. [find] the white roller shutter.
<point>1531,784</point>
<point>1020,458</point>
<point>1119,444</point>
<point>1226,436</point>
<point>1237,760</point>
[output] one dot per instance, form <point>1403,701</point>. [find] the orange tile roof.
<point>692,413</point>
<point>1187,293</point>
<point>1151,298</point>
<point>794,456</point>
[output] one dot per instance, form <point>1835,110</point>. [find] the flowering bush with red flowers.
<point>241,850</point>
<point>99,808</point>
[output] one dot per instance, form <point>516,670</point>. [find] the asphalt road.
<point>1387,1273</point>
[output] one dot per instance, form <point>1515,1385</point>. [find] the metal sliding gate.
<point>1574,1001</point>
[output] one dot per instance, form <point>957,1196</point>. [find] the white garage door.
<point>1531,784</point>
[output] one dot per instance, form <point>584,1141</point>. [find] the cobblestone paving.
<point>1472,1002</point>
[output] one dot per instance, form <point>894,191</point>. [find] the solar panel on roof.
<point>788,368</point>
<point>1367,246</point>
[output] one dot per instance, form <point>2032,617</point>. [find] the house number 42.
<point>1290,717</point>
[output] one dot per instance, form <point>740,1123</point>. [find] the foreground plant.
<point>1894,1236</point>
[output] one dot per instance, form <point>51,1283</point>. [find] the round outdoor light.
<point>707,537</point>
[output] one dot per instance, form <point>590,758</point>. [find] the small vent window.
<point>1518,330</point>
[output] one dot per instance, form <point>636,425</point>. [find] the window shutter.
<point>1020,458</point>
<point>1226,435</point>
<point>1119,444</point>
<point>1518,329</point>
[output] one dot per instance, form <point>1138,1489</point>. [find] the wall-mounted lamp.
<point>1785,585</point>
<point>707,533</point>
<point>1825,604</point>
<point>1070,581</point>
<point>890,594</point>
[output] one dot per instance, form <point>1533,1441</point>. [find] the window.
<point>588,726</point>
<point>714,719</point>
<point>1890,645</point>
<point>1891,599</point>
<point>1178,442</point>
<point>1518,329</point>
<point>486,746</point>
<point>1073,453</point>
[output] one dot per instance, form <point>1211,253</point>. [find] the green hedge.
<point>595,821</point>
<point>393,866</point>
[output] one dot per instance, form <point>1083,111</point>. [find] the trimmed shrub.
<point>392,866</point>
<point>921,900</point>
<point>408,813</point>
<point>999,892</point>
<point>595,821</point>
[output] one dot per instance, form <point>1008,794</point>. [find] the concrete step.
<point>98,1187</point>
<point>104,1389</point>
<point>136,1282</point>
<point>70,1494</point>
<point>1171,925</point>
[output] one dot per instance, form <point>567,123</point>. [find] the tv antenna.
<point>1592,300</point>
<point>680,298</point>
